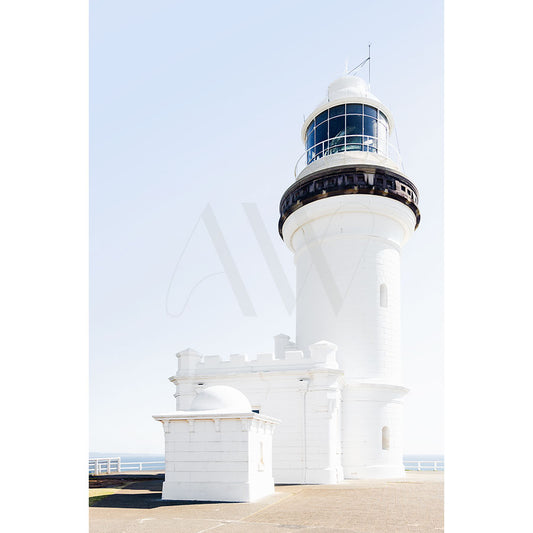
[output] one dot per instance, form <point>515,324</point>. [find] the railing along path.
<point>109,465</point>
<point>424,465</point>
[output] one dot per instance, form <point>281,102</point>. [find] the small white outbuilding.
<point>219,450</point>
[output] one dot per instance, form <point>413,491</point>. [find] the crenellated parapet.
<point>322,355</point>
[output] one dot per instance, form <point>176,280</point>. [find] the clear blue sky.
<point>193,104</point>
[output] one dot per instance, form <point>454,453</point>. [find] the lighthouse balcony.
<point>360,148</point>
<point>347,151</point>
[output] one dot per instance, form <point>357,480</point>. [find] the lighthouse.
<point>336,389</point>
<point>346,218</point>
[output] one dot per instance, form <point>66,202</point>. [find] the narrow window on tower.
<point>385,438</point>
<point>383,295</point>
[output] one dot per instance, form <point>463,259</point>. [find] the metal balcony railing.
<point>344,144</point>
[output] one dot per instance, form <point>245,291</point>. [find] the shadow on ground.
<point>149,498</point>
<point>116,480</point>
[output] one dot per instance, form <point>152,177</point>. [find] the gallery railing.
<point>344,144</point>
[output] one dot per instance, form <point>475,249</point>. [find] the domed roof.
<point>349,87</point>
<point>221,398</point>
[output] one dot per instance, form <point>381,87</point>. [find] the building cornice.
<point>351,179</point>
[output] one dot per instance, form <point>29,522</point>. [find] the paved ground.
<point>414,504</point>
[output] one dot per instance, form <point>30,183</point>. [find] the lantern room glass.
<point>347,127</point>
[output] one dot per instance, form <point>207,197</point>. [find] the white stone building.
<point>218,450</point>
<point>338,388</point>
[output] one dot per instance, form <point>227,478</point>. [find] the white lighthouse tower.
<point>346,219</point>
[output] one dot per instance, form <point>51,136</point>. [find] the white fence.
<point>110,465</point>
<point>424,465</point>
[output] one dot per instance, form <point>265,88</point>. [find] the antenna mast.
<point>369,45</point>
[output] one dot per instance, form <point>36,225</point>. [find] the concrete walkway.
<point>408,505</point>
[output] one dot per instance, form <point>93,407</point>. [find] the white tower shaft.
<point>347,256</point>
<point>346,219</point>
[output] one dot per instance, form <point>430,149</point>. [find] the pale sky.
<point>192,106</point>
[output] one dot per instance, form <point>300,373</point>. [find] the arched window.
<point>383,295</point>
<point>385,438</point>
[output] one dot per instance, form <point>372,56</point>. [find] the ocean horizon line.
<point>162,454</point>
